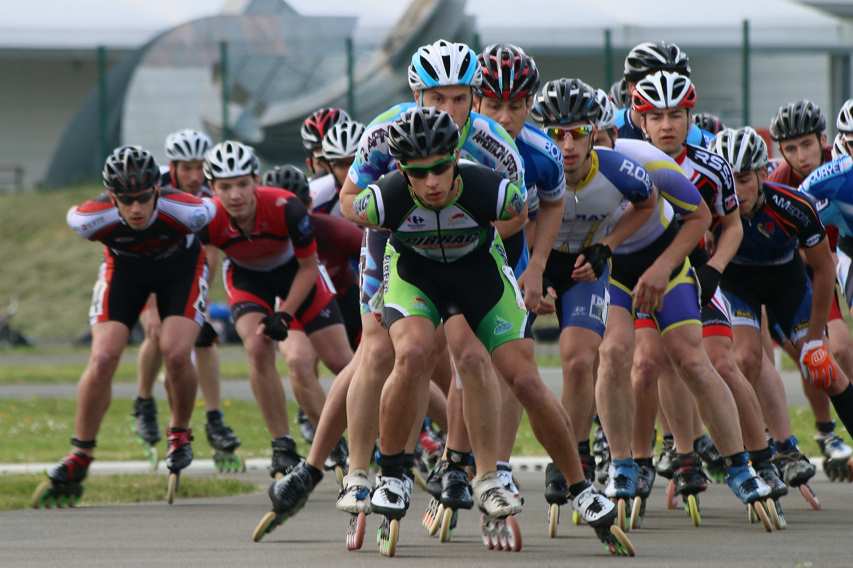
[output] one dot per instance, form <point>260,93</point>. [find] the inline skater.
<point>314,127</point>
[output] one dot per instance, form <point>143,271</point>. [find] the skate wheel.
<point>810,497</point>
<point>761,512</point>
<point>692,505</point>
<point>513,534</point>
<point>553,520</point>
<point>446,520</point>
<point>576,518</point>
<point>152,456</point>
<point>627,547</point>
<point>774,511</point>
<point>429,513</point>
<point>489,539</point>
<point>671,499</point>
<point>636,509</point>
<point>40,495</point>
<point>435,522</point>
<point>263,527</point>
<point>355,531</point>
<point>172,488</point>
<point>339,476</point>
<point>622,514</point>
<point>388,546</point>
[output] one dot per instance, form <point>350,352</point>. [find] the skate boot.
<point>146,428</point>
<point>768,472</point>
<point>645,482</point>
<point>288,495</point>
<point>665,460</point>
<point>64,484</point>
<point>432,515</point>
<point>556,495</point>
<point>498,506</point>
<point>391,501</point>
<point>354,498</point>
<point>284,457</point>
<point>622,488</point>
<point>455,494</point>
<point>797,470</point>
<point>305,427</point>
<point>837,457</point>
<point>600,513</point>
<point>688,481</point>
<point>337,461</point>
<point>224,443</point>
<point>178,457</point>
<point>715,466</point>
<point>751,490</point>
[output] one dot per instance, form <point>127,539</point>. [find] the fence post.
<point>223,69</point>
<point>745,57</point>
<point>350,76</point>
<point>102,103</point>
<point>608,58</point>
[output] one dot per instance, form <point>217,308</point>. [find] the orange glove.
<point>817,364</point>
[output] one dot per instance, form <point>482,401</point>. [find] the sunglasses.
<point>143,197</point>
<point>436,168</point>
<point>558,133</point>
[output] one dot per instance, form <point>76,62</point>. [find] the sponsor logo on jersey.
<point>635,171</point>
<point>360,205</point>
<point>730,203</point>
<point>788,207</point>
<point>825,171</point>
<point>821,204</point>
<point>767,228</point>
<point>555,152</point>
<point>813,240</point>
<point>502,326</point>
<point>433,241</point>
<point>304,226</point>
<point>416,220</point>
<point>198,220</point>
<point>501,153</point>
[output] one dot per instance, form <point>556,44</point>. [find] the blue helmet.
<point>442,64</point>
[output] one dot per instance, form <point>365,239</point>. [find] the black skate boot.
<point>456,493</point>
<point>601,453</point>
<point>645,482</point>
<point>714,464</point>
<point>178,457</point>
<point>284,456</point>
<point>224,443</point>
<point>288,495</point>
<point>64,484</point>
<point>146,428</point>
<point>556,495</point>
<point>666,457</point>
<point>768,472</point>
<point>337,460</point>
<point>689,480</point>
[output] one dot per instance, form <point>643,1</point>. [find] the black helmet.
<point>130,169</point>
<point>290,178</point>
<point>649,57</point>
<point>566,101</point>
<point>797,119</point>
<point>709,122</point>
<point>508,72</point>
<point>422,132</point>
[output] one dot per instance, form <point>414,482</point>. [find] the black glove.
<point>276,325</point>
<point>597,256</point>
<point>709,279</point>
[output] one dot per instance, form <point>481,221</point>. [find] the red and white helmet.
<point>663,90</point>
<point>315,126</point>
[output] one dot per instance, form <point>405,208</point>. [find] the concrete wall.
<point>40,94</point>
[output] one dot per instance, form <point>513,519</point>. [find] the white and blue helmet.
<point>442,64</point>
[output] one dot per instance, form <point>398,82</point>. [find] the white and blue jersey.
<point>627,129</point>
<point>543,167</point>
<point>831,186</point>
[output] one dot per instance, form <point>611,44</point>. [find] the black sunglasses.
<point>436,168</point>
<point>143,197</point>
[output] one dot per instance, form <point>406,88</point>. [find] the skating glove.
<point>597,256</point>
<point>709,279</point>
<point>276,325</point>
<point>817,364</point>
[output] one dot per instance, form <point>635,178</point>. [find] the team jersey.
<point>784,220</point>
<point>712,176</point>
<point>325,197</point>
<point>338,241</point>
<point>831,186</point>
<point>594,207</point>
<point>446,235</point>
<point>176,216</point>
<point>784,174</point>
<point>481,140</point>
<point>627,129</point>
<point>166,180</point>
<point>543,167</point>
<point>282,231</point>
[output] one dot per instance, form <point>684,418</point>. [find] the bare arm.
<point>731,234</point>
<point>304,280</point>
<point>547,226</point>
<point>819,258</point>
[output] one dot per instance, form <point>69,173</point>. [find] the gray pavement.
<point>216,532</point>
<point>239,390</point>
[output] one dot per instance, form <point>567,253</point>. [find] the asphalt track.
<point>216,532</point>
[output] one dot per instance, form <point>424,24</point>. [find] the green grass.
<point>110,489</point>
<point>39,430</point>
